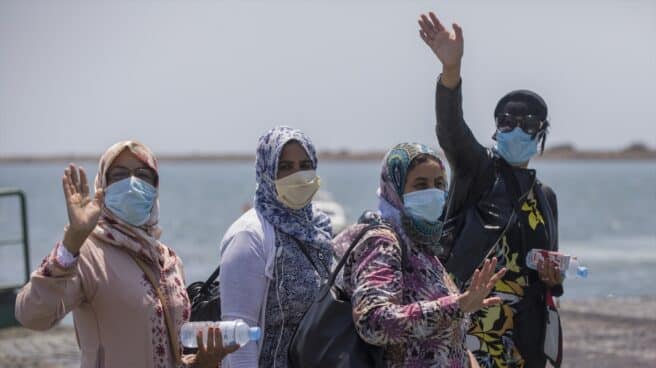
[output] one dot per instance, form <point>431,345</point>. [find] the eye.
<point>421,185</point>
<point>118,174</point>
<point>306,165</point>
<point>146,174</point>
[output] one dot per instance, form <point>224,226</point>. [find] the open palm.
<point>83,212</point>
<point>447,46</point>
<point>483,281</point>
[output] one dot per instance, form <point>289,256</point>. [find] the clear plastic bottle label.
<point>536,256</point>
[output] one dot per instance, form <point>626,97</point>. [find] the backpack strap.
<point>547,200</point>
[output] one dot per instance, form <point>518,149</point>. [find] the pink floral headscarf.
<point>142,240</point>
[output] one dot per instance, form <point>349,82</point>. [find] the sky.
<point>212,76</point>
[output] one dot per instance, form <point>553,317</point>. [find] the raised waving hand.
<point>83,212</point>
<point>448,46</point>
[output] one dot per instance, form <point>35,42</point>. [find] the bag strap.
<point>206,285</point>
<point>512,183</point>
<point>355,242</point>
<point>173,336</point>
<point>469,200</point>
<point>303,248</point>
<point>510,180</point>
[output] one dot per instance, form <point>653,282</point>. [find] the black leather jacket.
<point>476,181</point>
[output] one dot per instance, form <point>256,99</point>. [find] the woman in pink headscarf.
<point>126,288</point>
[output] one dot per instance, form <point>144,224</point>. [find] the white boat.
<point>324,202</point>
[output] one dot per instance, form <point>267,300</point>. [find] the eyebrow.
<point>123,167</point>
<point>291,161</point>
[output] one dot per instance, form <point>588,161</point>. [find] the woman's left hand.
<point>550,273</point>
<point>211,355</point>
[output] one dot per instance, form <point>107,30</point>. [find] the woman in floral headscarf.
<point>274,257</point>
<point>105,268</point>
<point>408,304</point>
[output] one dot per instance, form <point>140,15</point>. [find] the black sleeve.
<point>461,148</point>
<point>553,205</point>
<point>557,290</point>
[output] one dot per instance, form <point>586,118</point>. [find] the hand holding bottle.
<point>235,332</point>
<point>211,354</point>
<point>553,267</point>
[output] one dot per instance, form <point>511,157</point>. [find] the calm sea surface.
<point>606,209</point>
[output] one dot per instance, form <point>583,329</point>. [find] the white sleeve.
<point>242,288</point>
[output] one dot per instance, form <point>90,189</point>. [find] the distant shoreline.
<point>562,153</point>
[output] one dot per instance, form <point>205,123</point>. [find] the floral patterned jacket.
<point>412,313</point>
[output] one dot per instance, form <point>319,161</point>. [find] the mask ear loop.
<point>279,253</point>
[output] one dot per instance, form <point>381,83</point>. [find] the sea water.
<point>605,210</point>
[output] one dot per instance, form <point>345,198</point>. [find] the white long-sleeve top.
<point>247,259</point>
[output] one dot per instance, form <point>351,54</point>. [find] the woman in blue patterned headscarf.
<point>305,223</point>
<point>275,256</point>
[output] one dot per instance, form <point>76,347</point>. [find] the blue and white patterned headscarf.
<point>393,178</point>
<point>307,224</point>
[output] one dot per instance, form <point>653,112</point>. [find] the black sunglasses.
<point>530,124</point>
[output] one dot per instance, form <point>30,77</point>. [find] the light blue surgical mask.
<point>426,204</point>
<point>516,146</point>
<point>131,200</point>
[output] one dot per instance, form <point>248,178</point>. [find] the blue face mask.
<point>426,204</point>
<point>131,200</point>
<point>516,146</point>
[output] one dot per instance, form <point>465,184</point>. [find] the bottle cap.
<point>582,272</point>
<point>254,333</point>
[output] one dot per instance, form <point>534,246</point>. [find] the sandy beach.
<point>598,333</point>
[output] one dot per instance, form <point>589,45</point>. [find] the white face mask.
<point>296,190</point>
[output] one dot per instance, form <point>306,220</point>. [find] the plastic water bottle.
<point>575,269</point>
<point>233,332</point>
<point>569,265</point>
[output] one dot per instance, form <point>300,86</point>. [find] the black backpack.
<point>326,335</point>
<point>205,301</point>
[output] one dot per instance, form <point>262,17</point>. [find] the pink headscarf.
<point>142,240</point>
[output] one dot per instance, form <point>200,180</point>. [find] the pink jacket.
<point>118,316</point>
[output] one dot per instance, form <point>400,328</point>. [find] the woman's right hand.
<point>482,283</point>
<point>210,356</point>
<point>83,212</point>
<point>447,46</point>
